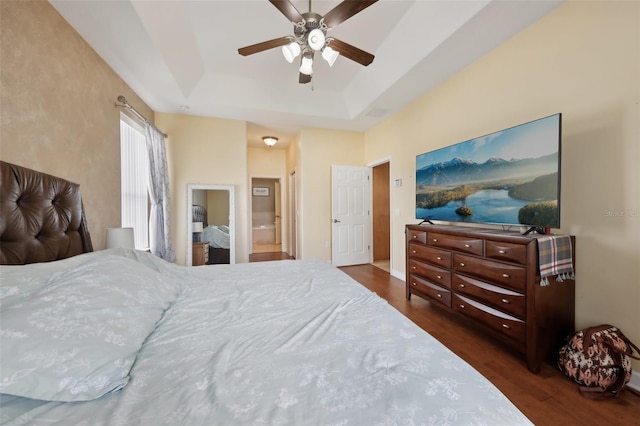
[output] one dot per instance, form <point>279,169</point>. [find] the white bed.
<point>270,343</point>
<point>120,337</point>
<point>217,236</point>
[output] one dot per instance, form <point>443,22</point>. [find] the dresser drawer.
<point>506,251</point>
<point>501,298</point>
<point>431,255</point>
<point>463,244</point>
<point>503,323</point>
<point>511,276</point>
<point>432,273</point>
<point>418,236</point>
<point>432,291</point>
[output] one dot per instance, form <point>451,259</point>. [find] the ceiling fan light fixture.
<point>270,140</point>
<point>316,39</point>
<point>330,55</point>
<point>307,65</point>
<point>291,51</point>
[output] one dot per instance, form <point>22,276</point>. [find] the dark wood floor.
<point>263,257</point>
<point>547,398</point>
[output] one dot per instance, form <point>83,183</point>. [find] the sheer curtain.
<point>159,217</point>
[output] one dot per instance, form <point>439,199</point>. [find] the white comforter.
<point>270,343</point>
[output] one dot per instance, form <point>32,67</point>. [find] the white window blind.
<point>134,164</point>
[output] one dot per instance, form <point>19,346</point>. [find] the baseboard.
<point>634,383</point>
<point>399,275</point>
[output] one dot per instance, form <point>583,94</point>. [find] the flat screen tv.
<point>510,177</point>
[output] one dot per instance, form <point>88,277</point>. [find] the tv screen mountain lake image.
<point>507,177</point>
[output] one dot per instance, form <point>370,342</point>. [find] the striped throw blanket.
<point>555,257</point>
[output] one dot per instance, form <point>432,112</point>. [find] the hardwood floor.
<point>263,257</point>
<point>547,398</point>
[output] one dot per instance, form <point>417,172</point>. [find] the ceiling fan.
<point>309,36</point>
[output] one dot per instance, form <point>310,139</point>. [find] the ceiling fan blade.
<point>265,45</point>
<point>288,10</point>
<point>345,10</point>
<point>351,52</point>
<point>304,79</point>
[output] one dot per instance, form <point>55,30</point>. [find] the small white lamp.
<point>120,237</point>
<point>196,228</point>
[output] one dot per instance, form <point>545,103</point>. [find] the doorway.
<point>381,217</point>
<point>266,215</point>
<point>293,214</point>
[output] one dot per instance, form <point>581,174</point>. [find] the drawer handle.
<point>415,236</point>
<point>439,258</point>
<point>505,326</point>
<point>506,276</point>
<point>435,240</point>
<point>461,285</point>
<point>502,251</point>
<point>413,251</point>
<point>439,277</point>
<point>439,295</point>
<point>462,306</point>
<point>414,268</point>
<point>414,284</point>
<point>461,263</point>
<point>467,245</point>
<point>505,301</point>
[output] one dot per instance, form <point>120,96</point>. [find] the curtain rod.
<point>124,104</point>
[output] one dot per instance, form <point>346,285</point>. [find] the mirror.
<point>210,224</point>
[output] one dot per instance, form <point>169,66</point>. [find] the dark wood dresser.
<point>492,278</point>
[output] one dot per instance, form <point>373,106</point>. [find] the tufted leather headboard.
<point>41,217</point>
<point>199,214</point>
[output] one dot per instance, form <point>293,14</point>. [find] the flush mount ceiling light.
<point>310,36</point>
<point>270,140</point>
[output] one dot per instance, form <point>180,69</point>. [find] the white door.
<point>351,218</point>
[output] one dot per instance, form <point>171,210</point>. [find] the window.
<point>134,166</point>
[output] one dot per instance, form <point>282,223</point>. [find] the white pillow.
<point>77,338</point>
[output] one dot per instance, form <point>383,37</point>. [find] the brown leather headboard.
<point>199,214</point>
<point>41,217</point>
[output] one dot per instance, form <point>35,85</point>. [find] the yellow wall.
<point>266,162</point>
<point>202,150</point>
<point>57,108</point>
<point>582,60</point>
<point>319,149</point>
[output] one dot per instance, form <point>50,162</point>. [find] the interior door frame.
<point>371,165</point>
<point>232,218</point>
<point>293,214</point>
<point>283,214</point>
